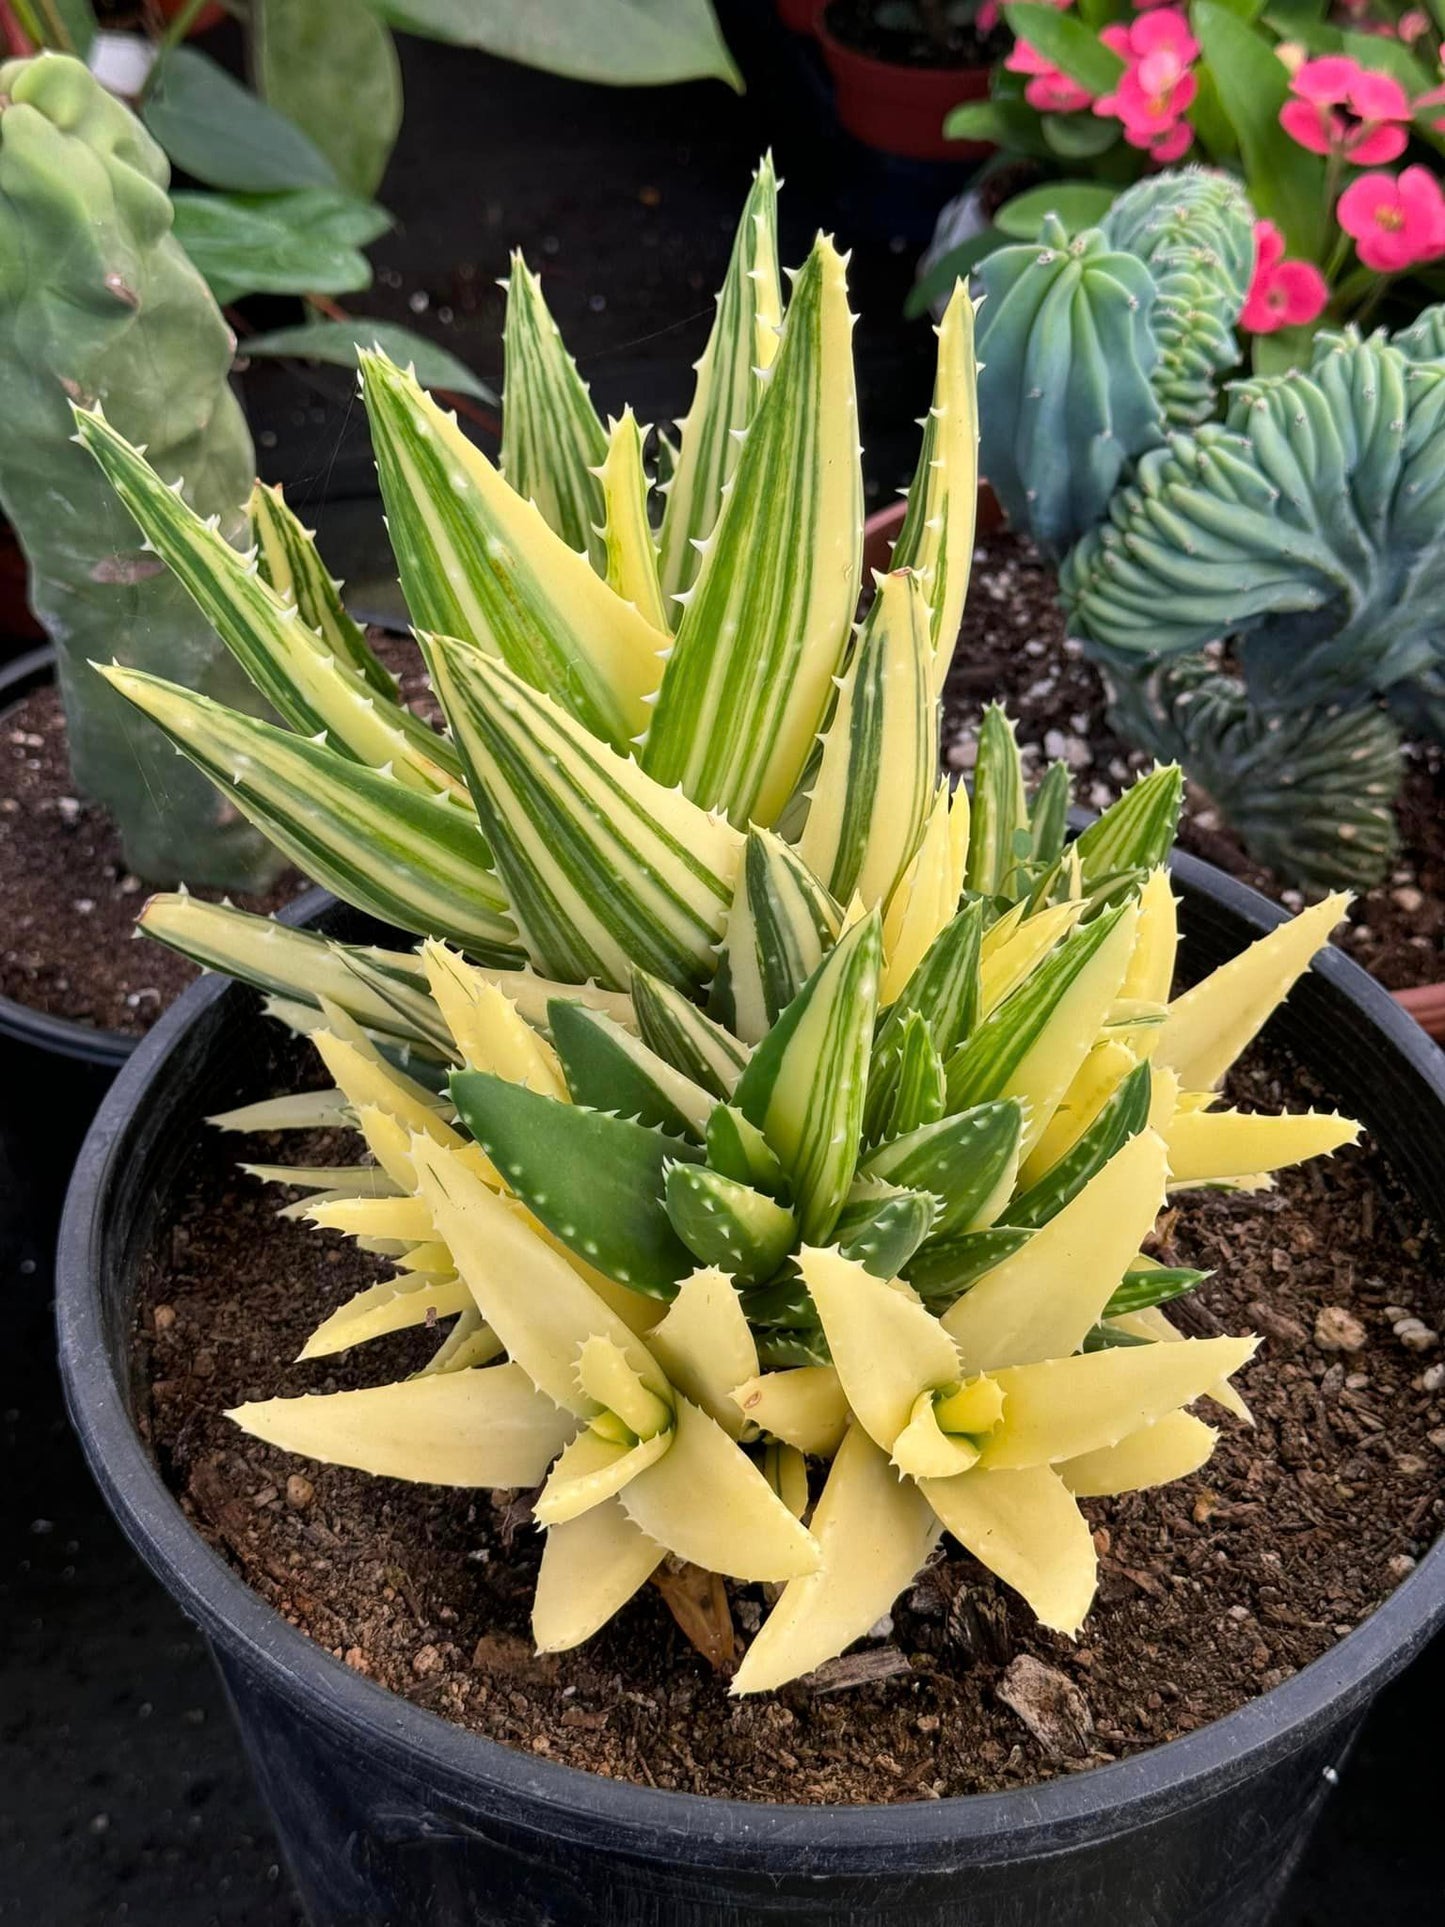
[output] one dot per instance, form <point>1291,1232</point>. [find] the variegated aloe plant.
<point>782,1131</point>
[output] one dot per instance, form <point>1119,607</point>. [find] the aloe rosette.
<point>782,1131</point>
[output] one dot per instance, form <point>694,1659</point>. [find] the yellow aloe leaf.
<point>960,825</point>
<point>874,1531</point>
<point>471,1341</point>
<point>631,553</point>
<point>486,1427</point>
<point>805,1407</point>
<point>490,1032</point>
<point>1065,1407</point>
<point>406,1219</point>
<point>786,1471</point>
<point>352,1180</point>
<point>1006,964</point>
<point>705,1346</point>
<point>396,1305</point>
<point>642,1400</point>
<point>1040,1302</point>
<point>1001,931</point>
<point>592,1470</point>
<point>432,1256</point>
<point>538,1305</point>
<point>1164,1099</point>
<point>1208,1027</point>
<point>922,903</point>
<point>637,1311</point>
<point>923,1450</point>
<point>1150,976</point>
<point>1152,1323</point>
<point>1050,1066</point>
<point>531,994</point>
<point>1172,1448</point>
<point>886,1348</point>
<point>706,1501</point>
<point>366,1078</point>
<point>1103,1070</point>
<point>1027,1529</point>
<point>1208,1146</point>
<point>389,1141</point>
<point>591,1567</point>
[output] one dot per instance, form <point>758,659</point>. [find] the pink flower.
<point>1370,128</point>
<point>986,19</point>
<point>1282,294</point>
<point>1050,91</point>
<point>1396,222</point>
<point>1412,25</point>
<point>1157,86</point>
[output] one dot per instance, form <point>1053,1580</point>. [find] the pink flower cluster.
<point>1049,90</point>
<point>1282,294</point>
<point>1396,221</point>
<point>1157,86</point>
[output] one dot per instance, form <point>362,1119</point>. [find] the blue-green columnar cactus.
<point>98,305</point>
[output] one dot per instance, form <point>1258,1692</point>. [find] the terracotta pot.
<point>1426,1004</point>
<point>900,109</point>
<point>797,15</point>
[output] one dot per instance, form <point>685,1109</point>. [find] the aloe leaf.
<point>916,1085</point>
<point>399,1304</point>
<point>743,1232</point>
<point>880,752</point>
<point>478,562</point>
<point>629,553</point>
<point>704,1345</point>
<point>413,1013</point>
<point>1136,833</point>
<point>739,1150</point>
<point>886,1347</point>
<point>805,1083</point>
<point>938,526</point>
<point>604,869</point>
<point>594,1180</point>
<point>609,1069</point>
<point>780,923</point>
<point>999,839</point>
<point>1049,813</point>
<point>765,624</point>
<point>740,349</point>
<point>944,988</point>
<point>926,898</point>
<point>316,692</point>
<point>950,1265</point>
<point>590,1568</point>
<point>292,569</point>
<point>552,440</point>
<point>297,1111</point>
<point>882,1233</point>
<point>1028,1530</point>
<point>405,857</point>
<point>1147,1284</point>
<point>784,1300</point>
<point>965,1161</point>
<point>692,1043</point>
<point>1124,1113</point>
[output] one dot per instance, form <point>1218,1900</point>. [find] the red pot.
<point>210,15</point>
<point>797,15</point>
<point>1426,1004</point>
<point>900,109</point>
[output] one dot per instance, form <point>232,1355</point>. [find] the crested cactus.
<point>99,305</point>
<point>787,1193</point>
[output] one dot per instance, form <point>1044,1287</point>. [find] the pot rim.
<point>58,1036</point>
<point>697,1830</point>
<point>868,65</point>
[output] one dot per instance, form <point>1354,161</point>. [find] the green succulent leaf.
<point>291,567</point>
<point>1124,1114</point>
<point>1148,1284</point>
<point>609,1069</point>
<point>743,1232</point>
<point>945,1268</point>
<point>595,1181</point>
<point>1135,834</point>
<point>692,1043</point>
<point>917,1088</point>
<point>968,1162</point>
<point>780,924</point>
<point>882,1228</point>
<point>1049,813</point>
<point>552,440</point>
<point>739,1151</point>
<point>998,839</point>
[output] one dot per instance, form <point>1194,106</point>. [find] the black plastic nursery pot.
<point>390,1817</point>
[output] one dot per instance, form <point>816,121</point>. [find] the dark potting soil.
<point>1014,650</point>
<point>933,33</point>
<point>1212,1589</point>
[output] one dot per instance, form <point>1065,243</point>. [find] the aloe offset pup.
<point>783,1132</point>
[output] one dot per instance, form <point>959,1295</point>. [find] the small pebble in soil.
<point>1337,1330</point>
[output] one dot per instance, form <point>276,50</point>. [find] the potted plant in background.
<point>900,65</point>
<point>637,1061</point>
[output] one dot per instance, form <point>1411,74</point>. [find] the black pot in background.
<point>390,1817</point>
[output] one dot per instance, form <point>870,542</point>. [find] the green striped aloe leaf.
<point>805,1083</point>
<point>916,1084</point>
<point>404,856</point>
<point>1031,1045</point>
<point>595,1181</point>
<point>609,1069</point>
<point>742,1231</point>
<point>998,837</point>
<point>739,1150</point>
<point>881,1226</point>
<point>478,562</point>
<point>297,964</point>
<point>316,692</point>
<point>780,923</point>
<point>604,869</point>
<point>291,567</point>
<point>785,1300</point>
<point>968,1162</point>
<point>1146,1284</point>
<point>880,752</point>
<point>373,970</point>
<point>692,1043</point>
<point>1122,1116</point>
<point>1049,814</point>
<point>1136,833</point>
<point>552,441</point>
<point>629,552</point>
<point>944,1268</point>
<point>944,988</point>
<point>740,349</point>
<point>765,624</point>
<point>938,526</point>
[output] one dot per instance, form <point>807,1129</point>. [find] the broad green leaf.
<point>609,1069</point>
<point>805,1083</point>
<point>275,243</point>
<point>882,1229</point>
<point>330,67</point>
<point>1078,137</point>
<point>629,552</point>
<point>340,343</point>
<point>743,1232</point>
<point>291,567</point>
<point>1072,47</point>
<point>605,870</point>
<point>479,563</point>
<point>401,855</point>
<point>952,1265</point>
<point>223,134</point>
<point>730,376</point>
<point>779,925</point>
<point>677,1030</point>
<point>1078,204</point>
<point>63,26</point>
<point>998,835</point>
<point>765,624</point>
<point>552,441</point>
<point>594,1180</point>
<point>1001,123</point>
<point>619,43</point>
<point>967,1162</point>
